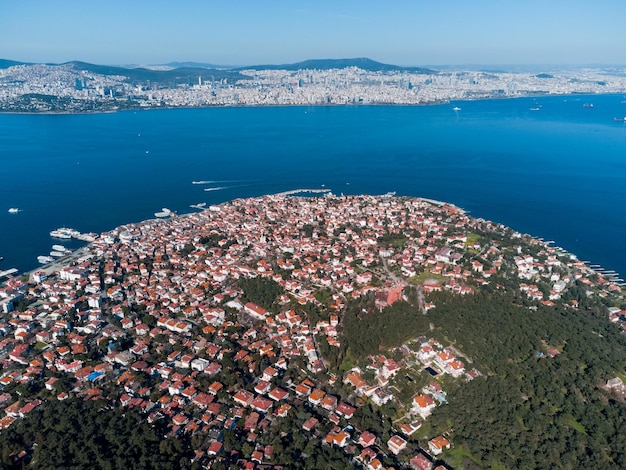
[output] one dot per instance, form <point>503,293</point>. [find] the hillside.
<point>326,64</point>
<point>317,332</point>
<point>178,75</point>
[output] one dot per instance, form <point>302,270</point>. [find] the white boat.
<point>13,210</point>
<point>61,233</point>
<point>45,259</point>
<point>61,248</point>
<point>65,233</point>
<point>456,108</point>
<point>57,254</point>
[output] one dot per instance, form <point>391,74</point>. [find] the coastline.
<point>608,276</point>
<point>376,179</point>
<point>441,102</point>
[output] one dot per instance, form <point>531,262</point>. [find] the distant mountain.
<point>326,64</point>
<point>6,63</point>
<point>197,65</point>
<point>140,74</point>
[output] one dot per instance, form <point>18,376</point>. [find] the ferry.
<point>45,259</point>
<point>57,254</point>
<point>65,233</point>
<point>60,233</point>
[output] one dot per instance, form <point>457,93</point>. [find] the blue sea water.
<point>557,173</point>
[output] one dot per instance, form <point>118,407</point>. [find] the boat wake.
<point>216,189</point>
<point>214,182</point>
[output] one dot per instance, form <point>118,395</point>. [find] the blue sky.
<point>243,32</point>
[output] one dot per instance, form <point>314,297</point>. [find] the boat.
<point>45,259</point>
<point>456,108</point>
<point>534,109</point>
<point>63,233</point>
<point>620,119</point>
<point>61,248</point>
<point>57,254</point>
<point>588,105</point>
<point>13,210</point>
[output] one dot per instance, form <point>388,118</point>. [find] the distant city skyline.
<point>405,32</point>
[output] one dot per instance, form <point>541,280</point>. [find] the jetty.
<point>7,273</point>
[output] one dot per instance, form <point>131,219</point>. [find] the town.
<point>74,87</point>
<point>225,323</point>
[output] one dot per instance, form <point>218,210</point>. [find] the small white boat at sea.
<point>13,210</point>
<point>456,108</point>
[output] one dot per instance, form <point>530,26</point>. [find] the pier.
<point>8,272</point>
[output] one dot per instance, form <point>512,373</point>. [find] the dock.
<point>8,272</point>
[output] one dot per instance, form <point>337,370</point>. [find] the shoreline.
<point>312,105</point>
<point>609,276</point>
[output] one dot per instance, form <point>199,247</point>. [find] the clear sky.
<point>245,32</point>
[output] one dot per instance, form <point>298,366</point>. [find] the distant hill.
<point>178,75</point>
<point>200,65</point>
<point>190,71</point>
<point>6,63</point>
<point>326,64</point>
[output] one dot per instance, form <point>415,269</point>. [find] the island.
<point>314,332</point>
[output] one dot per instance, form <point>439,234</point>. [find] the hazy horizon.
<point>407,33</point>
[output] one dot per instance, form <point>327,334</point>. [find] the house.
<point>278,394</point>
<point>255,311</point>
<point>339,439</point>
<point>316,396</point>
<point>243,397</point>
<point>367,439</point>
<point>423,405</point>
<point>396,444</point>
<point>262,405</point>
<point>345,410</point>
<point>214,448</point>
<point>310,424</point>
<point>438,444</point>
<point>420,462</point>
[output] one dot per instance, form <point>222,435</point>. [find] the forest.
<point>530,409</point>
<point>90,434</point>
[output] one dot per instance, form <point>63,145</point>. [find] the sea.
<point>552,166</point>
